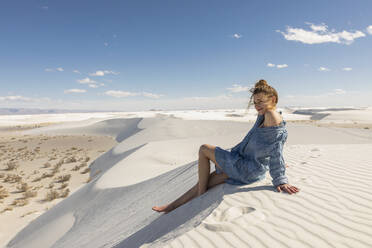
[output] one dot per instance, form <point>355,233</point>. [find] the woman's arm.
<point>277,165</point>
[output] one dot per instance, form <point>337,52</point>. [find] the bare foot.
<point>286,165</point>
<point>165,208</point>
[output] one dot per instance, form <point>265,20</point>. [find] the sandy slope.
<point>329,165</point>
<point>36,157</point>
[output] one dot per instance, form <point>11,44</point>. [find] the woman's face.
<point>262,103</point>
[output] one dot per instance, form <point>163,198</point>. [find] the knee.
<point>203,148</point>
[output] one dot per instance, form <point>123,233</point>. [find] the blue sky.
<point>135,55</point>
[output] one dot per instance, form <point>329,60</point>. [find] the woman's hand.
<point>288,188</point>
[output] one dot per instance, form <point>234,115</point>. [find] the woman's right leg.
<point>214,179</point>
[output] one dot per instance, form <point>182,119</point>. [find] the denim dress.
<point>259,151</point>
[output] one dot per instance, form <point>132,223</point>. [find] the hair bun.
<point>261,83</point>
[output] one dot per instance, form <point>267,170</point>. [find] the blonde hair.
<point>262,87</point>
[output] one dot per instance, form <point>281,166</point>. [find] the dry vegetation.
<point>63,178</point>
<point>54,194</point>
<point>22,187</point>
<point>52,170</point>
<point>29,194</point>
<point>12,178</point>
<point>11,165</point>
<point>20,202</point>
<point>85,171</point>
<point>6,209</point>
<point>3,192</point>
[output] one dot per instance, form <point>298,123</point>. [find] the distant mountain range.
<point>35,111</point>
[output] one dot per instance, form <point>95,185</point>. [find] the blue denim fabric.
<point>259,151</point>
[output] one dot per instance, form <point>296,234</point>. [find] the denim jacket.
<point>259,151</point>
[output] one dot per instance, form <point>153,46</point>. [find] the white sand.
<point>156,162</point>
<point>22,149</point>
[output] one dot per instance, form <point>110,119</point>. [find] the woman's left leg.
<point>206,153</point>
<point>213,179</point>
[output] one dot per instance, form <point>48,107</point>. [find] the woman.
<point>248,161</point>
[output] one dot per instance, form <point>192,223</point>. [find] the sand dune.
<point>156,161</point>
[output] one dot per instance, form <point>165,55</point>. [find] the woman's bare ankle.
<point>166,208</point>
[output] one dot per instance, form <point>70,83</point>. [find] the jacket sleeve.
<point>277,165</point>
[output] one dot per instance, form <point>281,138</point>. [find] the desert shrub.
<point>64,193</point>
<point>51,195</point>
<point>87,159</point>
<point>56,167</point>
<point>44,175</point>
<point>51,185</point>
<point>85,171</point>
<point>20,202</point>
<point>59,163</point>
<point>63,178</point>
<point>64,185</point>
<point>3,192</point>
<point>22,187</point>
<point>52,158</point>
<point>11,165</point>
<point>29,194</point>
<point>54,194</point>
<point>76,168</point>
<point>47,165</point>
<point>12,178</point>
<point>6,209</point>
<point>70,160</point>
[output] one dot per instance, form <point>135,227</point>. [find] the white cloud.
<point>103,72</point>
<point>204,99</point>
<point>369,29</point>
<point>278,66</point>
<point>318,28</point>
<point>119,94</point>
<point>86,81</point>
<point>76,71</point>
<point>75,91</point>
<point>238,88</point>
<point>282,66</point>
<point>15,98</point>
<point>56,69</point>
<point>347,69</point>
<point>323,69</point>
<point>337,92</point>
<point>151,95</point>
<point>93,86</point>
<point>320,34</point>
<point>237,36</point>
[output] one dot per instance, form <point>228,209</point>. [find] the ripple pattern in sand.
<point>333,208</point>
